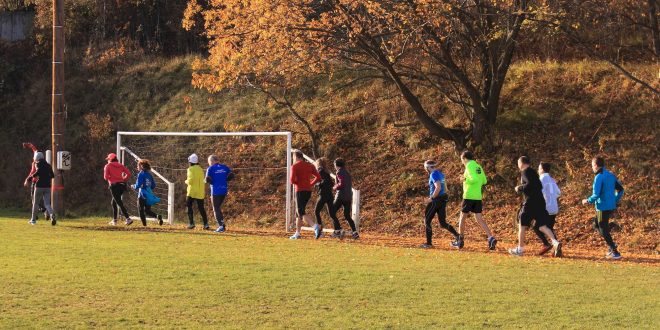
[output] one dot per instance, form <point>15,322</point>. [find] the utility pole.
<point>58,110</point>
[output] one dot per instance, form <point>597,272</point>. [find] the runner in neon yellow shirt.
<point>475,179</point>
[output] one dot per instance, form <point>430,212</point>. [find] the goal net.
<point>259,195</point>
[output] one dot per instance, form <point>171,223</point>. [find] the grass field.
<point>82,274</point>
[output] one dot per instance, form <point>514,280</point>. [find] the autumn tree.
<point>460,51</point>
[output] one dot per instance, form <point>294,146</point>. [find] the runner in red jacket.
<point>303,177</point>
<point>117,175</point>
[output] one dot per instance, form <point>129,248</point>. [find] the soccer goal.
<point>260,194</point>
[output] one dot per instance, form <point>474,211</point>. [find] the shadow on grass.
<point>373,241</point>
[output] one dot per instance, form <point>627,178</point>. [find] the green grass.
<point>78,275</point>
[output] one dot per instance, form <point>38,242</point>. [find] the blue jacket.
<point>144,180</point>
<point>607,191</point>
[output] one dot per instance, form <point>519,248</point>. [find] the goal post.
<point>170,174</point>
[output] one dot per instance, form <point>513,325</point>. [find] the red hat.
<point>111,156</point>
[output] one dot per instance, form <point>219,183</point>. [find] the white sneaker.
<point>295,236</point>
<point>32,222</point>
<point>129,221</point>
<point>113,223</point>
<point>515,252</point>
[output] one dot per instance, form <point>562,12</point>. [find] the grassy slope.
<point>80,274</point>
<point>563,113</point>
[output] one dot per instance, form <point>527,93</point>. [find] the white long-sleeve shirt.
<point>551,193</point>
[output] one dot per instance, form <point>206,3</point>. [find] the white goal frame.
<point>170,195</point>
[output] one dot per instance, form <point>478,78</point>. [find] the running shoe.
<point>558,252</point>
<point>129,221</point>
<point>318,231</point>
<point>207,227</point>
<point>356,235</point>
<point>53,220</point>
<point>515,252</point>
<point>337,234</point>
<point>545,249</point>
<point>32,222</point>
<point>426,246</point>
<point>457,244</point>
<point>492,242</point>
<point>220,229</point>
<point>295,236</point>
<point>191,226</point>
<point>113,223</point>
<point>613,254</point>
<point>160,220</point>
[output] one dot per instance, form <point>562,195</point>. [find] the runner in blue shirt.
<point>217,175</point>
<point>437,203</point>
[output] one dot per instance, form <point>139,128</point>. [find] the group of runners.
<point>217,175</point>
<point>538,211</point>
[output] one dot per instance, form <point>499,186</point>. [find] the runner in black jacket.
<point>533,208</point>
<point>343,198</point>
<point>44,175</point>
<point>325,193</point>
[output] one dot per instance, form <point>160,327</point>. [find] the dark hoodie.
<point>44,174</point>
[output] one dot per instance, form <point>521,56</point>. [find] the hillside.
<point>564,113</point>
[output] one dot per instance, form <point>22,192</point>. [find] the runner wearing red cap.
<point>117,175</point>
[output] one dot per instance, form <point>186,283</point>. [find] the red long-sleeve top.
<point>304,176</point>
<point>34,164</point>
<point>115,172</point>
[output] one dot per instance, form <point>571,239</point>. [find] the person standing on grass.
<point>607,192</point>
<point>325,193</point>
<point>195,191</point>
<point>303,177</point>
<point>533,207</point>
<point>551,193</point>
<point>475,179</point>
<point>343,199</point>
<point>32,182</point>
<point>145,181</point>
<point>117,175</point>
<point>436,203</point>
<point>217,175</point>
<point>42,176</point>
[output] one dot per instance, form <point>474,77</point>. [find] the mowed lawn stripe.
<point>77,275</point>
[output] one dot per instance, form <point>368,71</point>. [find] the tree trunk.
<point>481,130</point>
<point>310,131</point>
<point>655,28</point>
<point>284,101</point>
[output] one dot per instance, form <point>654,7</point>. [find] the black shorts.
<point>471,205</point>
<point>529,213</point>
<point>302,198</point>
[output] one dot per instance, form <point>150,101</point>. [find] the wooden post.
<point>58,109</point>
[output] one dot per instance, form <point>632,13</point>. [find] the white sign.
<point>63,160</point>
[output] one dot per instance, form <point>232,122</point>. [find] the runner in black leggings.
<point>343,199</point>
<point>325,192</point>
<point>117,175</point>
<point>437,203</point>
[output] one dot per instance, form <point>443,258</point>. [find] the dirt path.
<point>571,251</point>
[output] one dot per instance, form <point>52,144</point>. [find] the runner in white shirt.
<point>551,193</point>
